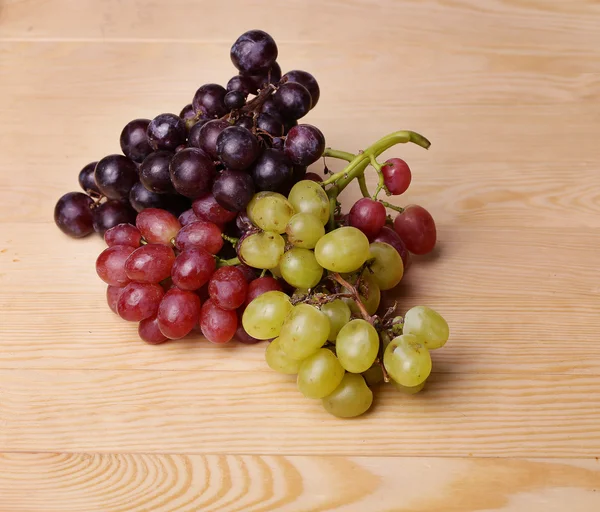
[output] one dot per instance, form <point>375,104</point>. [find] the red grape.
<point>304,144</point>
<point>228,287</point>
<point>123,234</point>
<point>187,217</point>
<point>368,216</point>
<point>112,296</point>
<point>148,331</point>
<point>313,176</point>
<point>150,263</point>
<point>260,286</point>
<point>218,325</point>
<point>139,300</point>
<point>389,236</point>
<point>205,235</point>
<point>178,313</point>
<point>396,175</point>
<point>249,272</point>
<point>192,268</point>
<point>110,265</point>
<point>242,336</point>
<point>207,208</point>
<point>157,226</point>
<point>416,227</point>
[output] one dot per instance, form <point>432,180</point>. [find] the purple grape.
<point>192,172</point>
<point>245,122</point>
<point>112,213</point>
<point>237,148</point>
<point>304,144</point>
<point>307,80</point>
<point>73,214</point>
<point>243,222</point>
<point>188,114</point>
<point>86,178</point>
<point>134,141</point>
<point>209,132</point>
<point>235,99</point>
<point>141,198</point>
<point>154,172</point>
<point>166,131</point>
<point>253,52</point>
<point>278,143</point>
<point>115,175</point>
<point>272,170</point>
<point>269,124</point>
<point>292,100</point>
<point>269,107</point>
<point>233,190</point>
<point>194,135</point>
<point>270,76</point>
<point>209,100</point>
<point>241,84</point>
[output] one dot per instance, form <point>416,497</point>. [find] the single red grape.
<point>150,263</point>
<point>228,287</point>
<point>148,331</point>
<point>110,265</point>
<point>139,300</point>
<point>187,217</point>
<point>260,286</point>
<point>157,226</point>
<point>218,325</point>
<point>112,296</point>
<point>207,208</point>
<point>416,227</point>
<point>203,234</point>
<point>396,175</point>
<point>368,216</point>
<point>193,268</point>
<point>123,234</point>
<point>178,313</point>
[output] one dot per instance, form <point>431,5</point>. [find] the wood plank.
<point>92,482</point>
<point>263,413</point>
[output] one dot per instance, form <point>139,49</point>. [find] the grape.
<point>250,274</point>
<point>313,176</point>
<point>192,268</point>
<point>373,375</point>
<point>110,265</point>
<point>304,144</point>
<point>396,176</point>
<point>73,214</point>
<point>207,208</point>
<point>253,52</point>
<point>279,361</point>
<point>233,190</point>
<point>192,172</point>
<point>218,325</point>
<point>123,234</point>
<point>269,107</point>
<point>278,143</point>
<point>264,316</point>
<point>245,122</point>
<point>243,222</point>
<point>389,236</point>
<point>228,288</point>
<point>416,228</point>
<point>269,124</point>
<point>407,361</point>
<point>262,250</point>
<point>387,268</point>
<point>188,116</point>
<point>271,170</point>
<point>187,217</point>
<point>154,172</point>
<point>203,234</point>
<point>319,374</point>
<point>268,76</point>
<point>307,80</point>
<point>149,331</point>
<point>141,198</point>
<point>351,398</point>
<point>178,313</point>
<point>237,148</point>
<point>338,313</point>
<point>157,226</point>
<point>427,325</point>
<point>209,132</point>
<point>304,230</point>
<point>240,83</point>
<point>357,345</point>
<point>368,291</point>
<point>261,285</point>
<point>342,250</point>
<point>368,216</point>
<point>304,331</point>
<point>150,263</point>
<point>134,141</point>
<point>138,301</point>
<point>112,213</point>
<point>234,100</point>
<point>112,296</point>
<point>412,390</point>
<point>241,335</point>
<point>288,125</point>
<point>270,211</point>
<point>86,178</point>
<point>166,131</point>
<point>292,100</point>
<point>299,268</point>
<point>194,134</point>
<point>309,197</point>
<point>210,100</point>
<point>115,175</point>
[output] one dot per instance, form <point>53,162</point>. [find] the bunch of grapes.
<point>213,225</point>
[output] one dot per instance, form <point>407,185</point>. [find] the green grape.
<point>304,230</point>
<point>412,390</point>
<point>304,331</point>
<point>270,211</point>
<point>262,250</point>
<point>368,291</point>
<point>299,268</point>
<point>265,315</point>
<point>427,325</point>
<point>407,361</point>
<point>342,250</point>
<point>373,375</point>
<point>387,267</point>
<point>309,197</point>
<point>320,374</point>
<point>351,398</point>
<point>357,345</point>
<point>279,361</point>
<point>338,313</point>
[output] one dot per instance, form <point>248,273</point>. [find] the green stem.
<point>231,239</point>
<point>227,263</point>
<point>342,155</point>
<point>362,183</point>
<point>332,207</point>
<point>391,206</point>
<point>375,164</point>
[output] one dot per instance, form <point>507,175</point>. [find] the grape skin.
<point>427,325</point>
<point>351,398</point>
<point>407,361</point>
<point>279,361</point>
<point>357,345</point>
<point>342,250</point>
<point>319,374</point>
<point>300,268</point>
<point>309,197</point>
<point>264,316</point>
<point>304,331</point>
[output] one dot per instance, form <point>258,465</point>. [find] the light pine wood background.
<point>92,419</point>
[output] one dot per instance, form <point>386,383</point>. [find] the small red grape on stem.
<point>396,176</point>
<point>368,216</point>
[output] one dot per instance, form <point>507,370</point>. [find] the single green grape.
<point>413,390</point>
<point>357,345</point>
<point>407,360</point>
<point>342,250</point>
<point>309,197</point>
<point>299,268</point>
<point>319,374</point>
<point>262,250</point>
<point>270,211</point>
<point>368,291</point>
<point>387,267</point>
<point>351,398</point>
<point>304,230</point>
<point>373,375</point>
<point>339,314</point>
<point>279,361</point>
<point>265,315</point>
<point>427,325</point>
<point>304,331</point>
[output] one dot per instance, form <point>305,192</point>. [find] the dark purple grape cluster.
<point>229,142</point>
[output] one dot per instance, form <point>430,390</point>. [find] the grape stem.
<point>227,263</point>
<point>231,239</point>
<point>355,295</point>
<point>391,206</point>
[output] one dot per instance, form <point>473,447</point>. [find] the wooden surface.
<point>92,419</point>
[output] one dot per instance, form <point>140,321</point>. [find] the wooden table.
<point>92,419</point>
